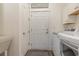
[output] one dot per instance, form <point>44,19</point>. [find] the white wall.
<point>1,16</point>
<point>11,26</point>
<point>56,17</point>
<point>77,22</point>
<point>15,18</point>
<point>55,25</point>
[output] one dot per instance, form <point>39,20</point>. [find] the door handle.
<point>23,33</point>
<point>47,31</point>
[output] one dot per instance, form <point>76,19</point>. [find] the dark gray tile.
<point>69,53</point>
<point>38,53</point>
<point>2,54</point>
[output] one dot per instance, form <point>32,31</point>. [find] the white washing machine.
<point>56,44</point>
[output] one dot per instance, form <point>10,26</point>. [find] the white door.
<point>39,30</point>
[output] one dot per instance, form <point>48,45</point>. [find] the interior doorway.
<point>39,26</point>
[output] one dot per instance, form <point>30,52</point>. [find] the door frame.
<point>38,10</point>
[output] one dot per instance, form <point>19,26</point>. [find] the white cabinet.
<point>70,12</point>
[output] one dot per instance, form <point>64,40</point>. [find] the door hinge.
<point>28,31</point>
<point>29,43</point>
<point>29,19</point>
<point>24,33</point>
<point>31,30</point>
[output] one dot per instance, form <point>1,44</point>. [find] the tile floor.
<point>47,53</point>
<point>69,53</point>
<point>39,53</point>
